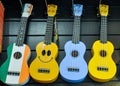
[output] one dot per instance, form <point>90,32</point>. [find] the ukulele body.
<point>44,68</point>
<point>74,69</point>
<point>101,67</point>
<point>14,71</point>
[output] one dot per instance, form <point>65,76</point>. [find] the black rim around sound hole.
<point>74,53</point>
<point>17,55</point>
<point>103,53</point>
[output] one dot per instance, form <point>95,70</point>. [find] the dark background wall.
<point>89,31</point>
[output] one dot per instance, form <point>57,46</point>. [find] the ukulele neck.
<point>21,32</point>
<point>49,30</point>
<point>76,30</point>
<point>103,32</point>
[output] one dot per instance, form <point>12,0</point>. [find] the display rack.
<point>89,31</point>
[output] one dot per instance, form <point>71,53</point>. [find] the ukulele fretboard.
<point>21,32</point>
<point>49,30</point>
<point>76,30</point>
<point>103,32</point>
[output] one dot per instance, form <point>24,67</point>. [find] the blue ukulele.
<point>73,67</point>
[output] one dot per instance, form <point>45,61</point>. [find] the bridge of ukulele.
<point>102,68</point>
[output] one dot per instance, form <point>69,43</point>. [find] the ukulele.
<point>73,68</point>
<point>101,67</point>
<point>2,9</point>
<point>44,68</point>
<point>15,71</point>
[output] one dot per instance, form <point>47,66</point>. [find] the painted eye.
<point>49,53</point>
<point>43,52</point>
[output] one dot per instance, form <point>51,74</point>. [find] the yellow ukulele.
<point>44,68</point>
<point>101,67</point>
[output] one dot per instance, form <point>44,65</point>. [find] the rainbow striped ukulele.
<point>101,67</point>
<point>14,70</point>
<point>73,67</point>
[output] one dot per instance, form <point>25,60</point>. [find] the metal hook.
<point>56,32</point>
<point>98,14</point>
<point>72,2</point>
<point>100,1</point>
<point>21,3</point>
<point>46,3</point>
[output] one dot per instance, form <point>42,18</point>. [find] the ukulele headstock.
<point>77,9</point>
<point>27,9</point>
<point>51,10</point>
<point>103,10</point>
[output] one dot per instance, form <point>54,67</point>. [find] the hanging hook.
<point>56,38</point>
<point>72,2</point>
<point>21,3</point>
<point>98,13</point>
<point>46,3</point>
<point>100,1</point>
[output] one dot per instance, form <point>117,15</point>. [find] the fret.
<point>21,32</point>
<point>76,29</point>
<point>49,30</point>
<point>103,32</point>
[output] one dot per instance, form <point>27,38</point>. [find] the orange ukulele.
<point>101,67</point>
<point>44,68</point>
<point>14,71</point>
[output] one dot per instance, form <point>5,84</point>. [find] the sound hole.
<point>103,53</point>
<point>74,53</point>
<point>17,55</point>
